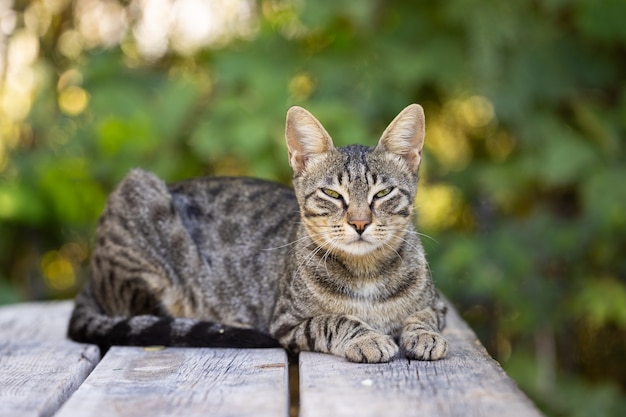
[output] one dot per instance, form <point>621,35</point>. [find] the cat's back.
<point>235,223</point>
<point>236,212</point>
<point>231,193</point>
<point>227,210</point>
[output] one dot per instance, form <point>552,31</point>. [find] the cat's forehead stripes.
<point>372,178</point>
<point>355,162</point>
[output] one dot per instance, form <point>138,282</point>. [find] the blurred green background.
<point>522,191</point>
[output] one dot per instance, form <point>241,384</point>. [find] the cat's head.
<point>355,199</point>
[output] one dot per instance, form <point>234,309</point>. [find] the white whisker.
<point>393,249</point>
<point>297,240</point>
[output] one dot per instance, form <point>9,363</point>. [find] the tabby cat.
<point>334,267</point>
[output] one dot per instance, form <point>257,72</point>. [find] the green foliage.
<point>522,181</point>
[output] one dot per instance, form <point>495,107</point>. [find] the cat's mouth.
<point>359,245</point>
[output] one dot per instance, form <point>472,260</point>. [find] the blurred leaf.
<point>603,301</point>
<point>604,199</point>
<point>8,293</point>
<point>20,203</point>
<point>132,136</point>
<point>74,197</point>
<point>604,19</point>
<point>564,158</point>
<point>174,105</point>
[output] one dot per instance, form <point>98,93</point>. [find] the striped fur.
<point>333,266</point>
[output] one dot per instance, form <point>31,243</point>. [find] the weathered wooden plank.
<point>39,367</point>
<point>187,382</point>
<point>468,383</point>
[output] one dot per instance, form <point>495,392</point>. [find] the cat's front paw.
<point>371,347</point>
<point>424,345</point>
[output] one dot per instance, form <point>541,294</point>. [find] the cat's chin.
<point>358,248</point>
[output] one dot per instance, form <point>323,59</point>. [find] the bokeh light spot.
<point>58,271</point>
<point>73,100</point>
<point>438,206</point>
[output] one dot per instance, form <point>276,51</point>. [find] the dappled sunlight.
<point>17,82</point>
<point>285,16</point>
<point>19,75</point>
<point>101,22</point>
<point>59,267</point>
<point>472,112</point>
<point>146,29</point>
<point>73,100</point>
<point>439,206</point>
<point>58,271</point>
<point>198,23</point>
<point>189,25</point>
<point>301,86</point>
<point>450,132</point>
<point>449,144</point>
<point>71,44</point>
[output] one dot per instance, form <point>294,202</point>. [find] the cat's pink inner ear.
<point>295,160</point>
<point>306,138</point>
<point>405,135</point>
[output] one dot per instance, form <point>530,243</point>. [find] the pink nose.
<point>359,225</point>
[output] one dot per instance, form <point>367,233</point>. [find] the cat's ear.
<point>405,136</point>
<point>306,138</point>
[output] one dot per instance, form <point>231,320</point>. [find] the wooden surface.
<point>39,367</point>
<point>41,372</point>
<point>468,383</point>
<point>185,382</point>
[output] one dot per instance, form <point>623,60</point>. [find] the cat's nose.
<point>359,225</point>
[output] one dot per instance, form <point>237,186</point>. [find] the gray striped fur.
<point>335,266</point>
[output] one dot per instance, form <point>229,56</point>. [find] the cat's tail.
<point>88,324</point>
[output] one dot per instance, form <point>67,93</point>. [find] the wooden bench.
<point>43,374</point>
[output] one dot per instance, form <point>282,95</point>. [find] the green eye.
<point>331,193</point>
<point>383,193</point>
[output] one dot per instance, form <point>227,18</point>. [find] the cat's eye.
<point>331,193</point>
<point>383,193</point>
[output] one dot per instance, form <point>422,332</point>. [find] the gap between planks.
<point>468,383</point>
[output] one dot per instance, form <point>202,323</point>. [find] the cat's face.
<point>355,200</point>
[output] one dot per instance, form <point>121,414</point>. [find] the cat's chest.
<point>384,314</point>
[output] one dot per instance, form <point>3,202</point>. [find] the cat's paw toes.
<point>371,348</point>
<point>425,346</point>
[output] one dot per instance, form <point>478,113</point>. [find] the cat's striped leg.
<point>420,337</point>
<point>340,335</point>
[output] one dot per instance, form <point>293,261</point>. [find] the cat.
<point>334,265</point>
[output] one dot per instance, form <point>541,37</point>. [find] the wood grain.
<point>187,382</point>
<point>467,383</point>
<point>39,367</point>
